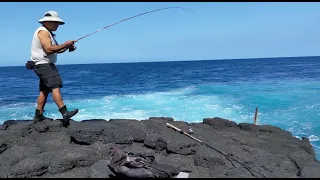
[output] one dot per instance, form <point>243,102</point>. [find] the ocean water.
<point>285,90</point>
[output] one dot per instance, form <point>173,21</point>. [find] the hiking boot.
<point>67,115</point>
<point>39,117</point>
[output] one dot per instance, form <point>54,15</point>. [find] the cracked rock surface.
<point>46,149</point>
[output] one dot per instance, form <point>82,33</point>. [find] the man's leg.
<point>56,95</point>
<point>54,82</point>
<point>42,100</point>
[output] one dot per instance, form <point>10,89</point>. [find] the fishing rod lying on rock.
<point>227,156</point>
<point>132,18</point>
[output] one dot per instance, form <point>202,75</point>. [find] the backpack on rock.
<point>139,166</point>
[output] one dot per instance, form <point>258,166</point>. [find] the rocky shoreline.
<point>82,150</point>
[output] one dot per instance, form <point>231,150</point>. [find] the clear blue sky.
<point>218,31</point>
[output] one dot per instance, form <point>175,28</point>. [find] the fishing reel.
<point>72,48</point>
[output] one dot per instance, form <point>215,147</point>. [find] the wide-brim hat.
<point>51,16</point>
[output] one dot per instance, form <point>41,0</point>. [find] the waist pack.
<point>30,65</point>
<point>139,166</point>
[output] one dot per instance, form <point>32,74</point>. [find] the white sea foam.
<point>298,137</point>
<point>180,104</point>
<point>313,138</point>
<point>191,104</point>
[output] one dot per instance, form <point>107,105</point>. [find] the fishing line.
<point>132,18</point>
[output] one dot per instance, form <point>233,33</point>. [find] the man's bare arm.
<point>63,50</point>
<point>45,40</point>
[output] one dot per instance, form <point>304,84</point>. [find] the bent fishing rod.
<point>132,18</point>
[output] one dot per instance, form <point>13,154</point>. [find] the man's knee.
<point>55,89</point>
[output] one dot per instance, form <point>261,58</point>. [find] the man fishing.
<point>44,50</point>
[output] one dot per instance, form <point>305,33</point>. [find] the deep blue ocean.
<point>285,90</point>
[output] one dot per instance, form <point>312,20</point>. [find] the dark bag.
<point>30,65</point>
<point>139,166</point>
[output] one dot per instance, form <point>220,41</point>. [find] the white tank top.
<point>37,53</point>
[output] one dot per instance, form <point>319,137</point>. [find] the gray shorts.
<point>49,77</point>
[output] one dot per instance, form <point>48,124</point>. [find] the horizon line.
<point>227,59</point>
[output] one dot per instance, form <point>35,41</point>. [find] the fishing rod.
<point>227,156</point>
<point>132,18</point>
